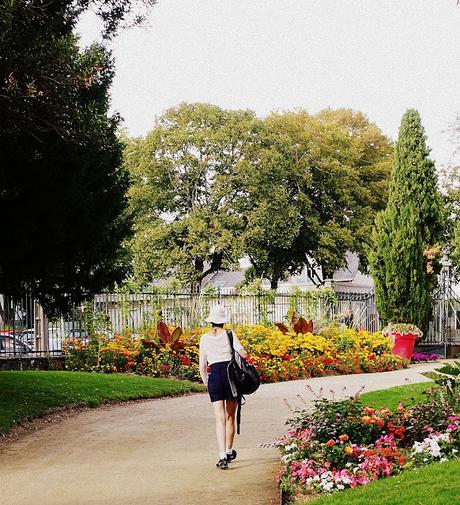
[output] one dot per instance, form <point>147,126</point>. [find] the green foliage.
<point>405,250</point>
<point>308,191</point>
<point>307,302</point>
<point>291,190</point>
<point>185,227</point>
<point>62,183</point>
<point>448,377</point>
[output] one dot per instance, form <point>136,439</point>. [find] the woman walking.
<point>215,351</point>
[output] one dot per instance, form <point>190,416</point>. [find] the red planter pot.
<point>404,344</point>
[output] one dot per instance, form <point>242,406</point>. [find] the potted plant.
<point>403,337</point>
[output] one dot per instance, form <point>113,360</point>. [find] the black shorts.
<point>218,385</point>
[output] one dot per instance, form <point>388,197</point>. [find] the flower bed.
<point>278,356</point>
<point>346,444</point>
<point>423,357</point>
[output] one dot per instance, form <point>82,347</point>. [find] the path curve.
<point>163,452</point>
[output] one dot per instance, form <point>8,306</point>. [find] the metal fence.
<point>24,329</point>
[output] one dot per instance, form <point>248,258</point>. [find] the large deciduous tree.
<point>408,232</point>
<point>62,182</point>
<point>185,226</point>
<point>309,190</point>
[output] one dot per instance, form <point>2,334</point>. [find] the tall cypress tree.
<point>400,260</point>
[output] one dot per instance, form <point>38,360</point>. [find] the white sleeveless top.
<point>215,347</point>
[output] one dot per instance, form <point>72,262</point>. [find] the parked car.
<point>10,343</point>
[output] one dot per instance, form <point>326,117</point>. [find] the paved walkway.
<point>163,452</point>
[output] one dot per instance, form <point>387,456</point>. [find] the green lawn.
<point>389,398</point>
<point>436,484</point>
<point>27,395</point>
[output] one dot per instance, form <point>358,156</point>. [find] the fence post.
<point>41,329</point>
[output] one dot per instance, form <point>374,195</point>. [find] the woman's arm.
<point>238,347</point>
<point>243,353</point>
<point>203,367</point>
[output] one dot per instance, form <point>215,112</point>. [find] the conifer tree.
<point>407,233</point>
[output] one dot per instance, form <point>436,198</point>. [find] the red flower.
<point>184,360</point>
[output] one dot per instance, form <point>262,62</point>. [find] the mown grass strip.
<point>30,394</point>
<point>389,398</point>
<point>435,484</point>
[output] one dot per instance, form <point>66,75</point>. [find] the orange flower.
<point>366,420</point>
<point>330,443</point>
<point>348,450</point>
<point>369,411</point>
<point>343,438</point>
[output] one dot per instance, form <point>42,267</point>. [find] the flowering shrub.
<point>278,356</point>
<point>347,444</point>
<point>100,353</point>
<point>284,356</point>
<point>438,446</point>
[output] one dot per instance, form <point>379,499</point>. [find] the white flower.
<point>290,447</point>
<point>417,447</point>
<point>340,486</point>
<point>327,486</point>
<point>434,448</point>
<point>285,459</point>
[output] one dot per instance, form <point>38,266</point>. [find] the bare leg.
<point>230,408</point>
<point>219,413</point>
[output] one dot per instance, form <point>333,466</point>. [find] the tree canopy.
<point>185,226</point>
<point>62,182</point>
<point>290,190</point>
<point>408,233</point>
<point>310,191</point>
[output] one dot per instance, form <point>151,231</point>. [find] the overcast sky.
<point>377,56</point>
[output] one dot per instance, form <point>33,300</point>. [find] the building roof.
<point>221,279</point>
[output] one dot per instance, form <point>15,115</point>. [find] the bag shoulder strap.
<point>230,339</point>
<point>241,401</point>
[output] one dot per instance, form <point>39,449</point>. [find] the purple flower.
<point>420,357</point>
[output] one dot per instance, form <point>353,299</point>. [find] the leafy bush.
<point>346,444</point>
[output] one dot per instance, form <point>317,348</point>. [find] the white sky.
<point>377,56</point>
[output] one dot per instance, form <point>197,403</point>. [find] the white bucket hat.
<point>217,315</point>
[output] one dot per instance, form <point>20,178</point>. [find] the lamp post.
<point>446,265</point>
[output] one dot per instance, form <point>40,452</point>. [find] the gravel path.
<point>163,452</point>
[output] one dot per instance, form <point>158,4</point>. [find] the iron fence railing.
<point>25,330</point>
